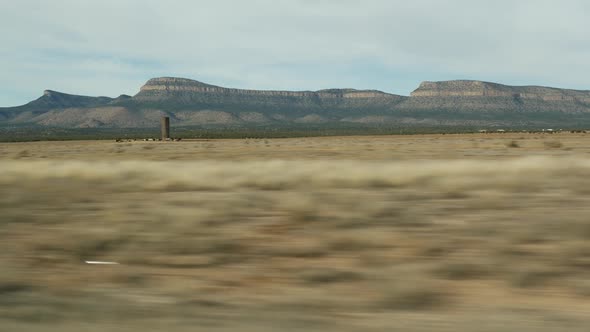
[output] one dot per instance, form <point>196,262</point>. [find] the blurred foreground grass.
<point>310,245</point>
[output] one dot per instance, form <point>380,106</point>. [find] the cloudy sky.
<point>109,47</point>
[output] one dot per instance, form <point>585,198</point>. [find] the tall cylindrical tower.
<point>165,122</point>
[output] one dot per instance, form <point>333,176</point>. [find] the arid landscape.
<point>297,166</point>
<point>472,232</point>
<point>445,105</point>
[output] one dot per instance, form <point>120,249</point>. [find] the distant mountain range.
<point>193,103</point>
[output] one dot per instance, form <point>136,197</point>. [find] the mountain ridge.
<point>466,88</point>
<point>190,102</point>
<point>174,83</point>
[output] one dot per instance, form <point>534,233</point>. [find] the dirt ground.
<point>473,232</point>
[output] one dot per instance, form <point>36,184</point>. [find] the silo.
<point>165,122</point>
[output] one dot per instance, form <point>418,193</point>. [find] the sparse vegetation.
<point>513,144</point>
<point>420,229</point>
<point>553,144</point>
<point>327,276</point>
<point>412,294</point>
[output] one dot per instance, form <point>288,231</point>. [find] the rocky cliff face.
<point>478,96</point>
<point>190,102</point>
<point>164,85</point>
<point>184,91</point>
<point>487,89</point>
<point>168,86</point>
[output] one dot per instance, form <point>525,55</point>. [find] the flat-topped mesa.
<point>463,88</point>
<point>169,86</point>
<point>193,103</point>
<point>174,84</point>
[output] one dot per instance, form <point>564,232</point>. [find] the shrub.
<point>513,144</point>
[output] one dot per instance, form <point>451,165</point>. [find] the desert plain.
<point>470,232</point>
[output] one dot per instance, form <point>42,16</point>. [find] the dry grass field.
<point>486,232</point>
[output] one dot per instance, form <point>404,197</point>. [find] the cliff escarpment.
<point>181,93</point>
<point>478,96</point>
<point>193,103</point>
<point>487,89</point>
<point>168,87</point>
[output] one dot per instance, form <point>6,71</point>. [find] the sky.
<point>111,47</point>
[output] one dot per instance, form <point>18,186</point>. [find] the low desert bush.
<point>512,144</point>
<point>414,295</point>
<point>553,144</point>
<point>328,276</point>
<point>462,271</point>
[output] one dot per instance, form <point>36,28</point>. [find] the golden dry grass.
<point>410,233</point>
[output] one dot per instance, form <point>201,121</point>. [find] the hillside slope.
<point>189,102</point>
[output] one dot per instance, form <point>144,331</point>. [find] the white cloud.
<point>111,46</point>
